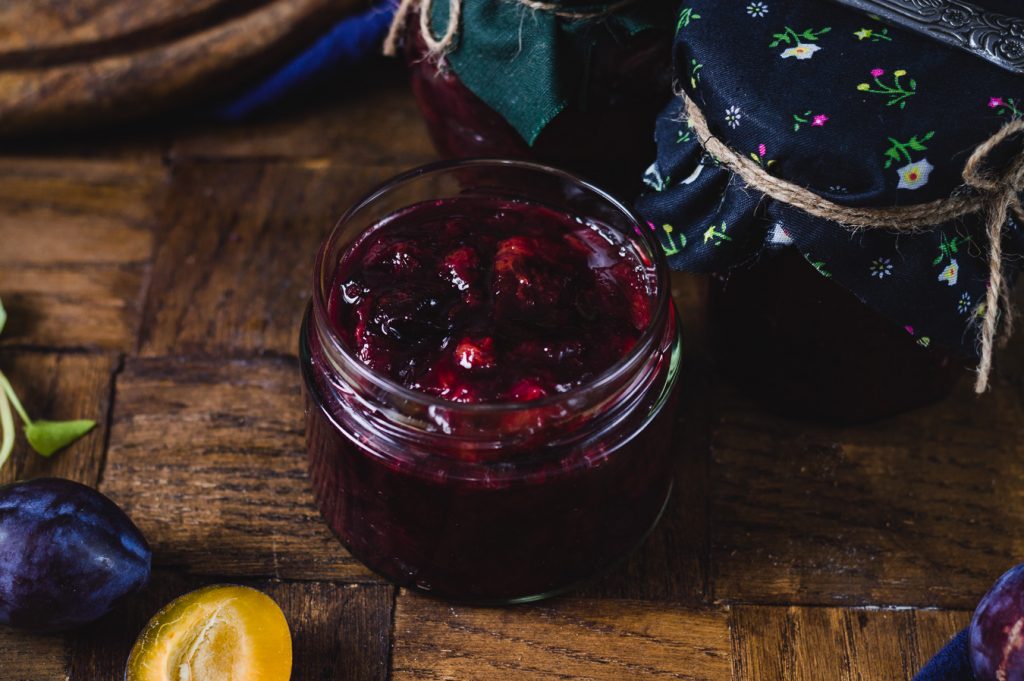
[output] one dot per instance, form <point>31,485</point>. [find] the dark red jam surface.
<point>489,300</point>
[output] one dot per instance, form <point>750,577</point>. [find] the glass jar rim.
<point>648,338</point>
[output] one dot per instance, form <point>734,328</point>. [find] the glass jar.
<point>805,346</point>
<point>606,136</point>
<point>494,502</point>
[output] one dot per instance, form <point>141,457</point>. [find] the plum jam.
<point>607,136</point>
<point>488,300</point>
<point>489,365</point>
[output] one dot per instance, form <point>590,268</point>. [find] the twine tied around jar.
<point>992,196</point>
<point>437,46</point>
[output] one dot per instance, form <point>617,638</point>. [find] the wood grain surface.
<point>920,510</point>
<point>234,264</point>
<point>75,62</point>
<point>155,280</point>
<point>592,639</point>
<point>208,458</point>
<point>822,644</point>
<point>75,245</point>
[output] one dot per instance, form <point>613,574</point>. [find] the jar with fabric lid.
<point>853,189</point>
<point>576,85</point>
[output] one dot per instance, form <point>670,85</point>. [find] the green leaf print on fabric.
<point>897,92</point>
<point>686,16</point>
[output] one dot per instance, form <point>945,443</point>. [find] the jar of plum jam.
<point>489,363</point>
<point>805,346</point>
<point>606,135</point>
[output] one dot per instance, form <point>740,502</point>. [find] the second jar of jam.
<point>490,360</point>
<point>604,133</point>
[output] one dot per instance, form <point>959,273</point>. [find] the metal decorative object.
<point>995,37</point>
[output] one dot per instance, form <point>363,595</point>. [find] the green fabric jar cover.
<point>528,64</point>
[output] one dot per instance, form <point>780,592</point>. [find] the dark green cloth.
<point>527,64</point>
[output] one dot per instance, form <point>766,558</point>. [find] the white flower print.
<point>779,237</point>
<point>653,178</point>
<point>733,116</point>
<point>881,268</point>
<point>964,304</point>
<point>914,175</point>
<point>950,273</point>
<point>801,51</point>
<point>757,9</point>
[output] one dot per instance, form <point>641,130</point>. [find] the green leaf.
<point>47,437</point>
<point>3,316</point>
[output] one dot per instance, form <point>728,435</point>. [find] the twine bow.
<point>437,46</point>
<point>992,196</point>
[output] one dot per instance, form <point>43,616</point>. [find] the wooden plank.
<point>233,271</point>
<point>338,631</point>
<point>921,509</point>
<point>76,242</point>
<point>562,639</point>
<point>820,644</point>
<point>208,458</point>
<point>59,387</point>
<point>372,119</point>
<point>33,657</point>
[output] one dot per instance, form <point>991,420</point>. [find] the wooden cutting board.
<point>72,63</point>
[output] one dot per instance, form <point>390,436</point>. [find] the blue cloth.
<point>952,663</point>
<point>350,41</point>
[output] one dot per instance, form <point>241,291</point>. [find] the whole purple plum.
<point>997,630</point>
<point>68,555</point>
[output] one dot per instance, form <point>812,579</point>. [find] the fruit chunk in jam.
<point>480,299</point>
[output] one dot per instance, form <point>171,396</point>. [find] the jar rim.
<point>648,338</point>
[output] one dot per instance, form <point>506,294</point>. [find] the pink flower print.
<point>877,73</point>
<point>995,102</point>
<point>762,150</point>
<point>909,329</point>
<point>819,121</point>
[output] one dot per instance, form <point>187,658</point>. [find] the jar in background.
<point>605,135</point>
<point>495,502</point>
<point>805,346</point>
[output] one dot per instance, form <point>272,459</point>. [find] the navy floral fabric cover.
<point>859,112</point>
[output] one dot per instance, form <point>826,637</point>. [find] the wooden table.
<point>155,280</point>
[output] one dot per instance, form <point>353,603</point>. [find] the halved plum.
<point>217,633</point>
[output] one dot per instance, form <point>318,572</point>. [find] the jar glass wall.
<point>493,502</point>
